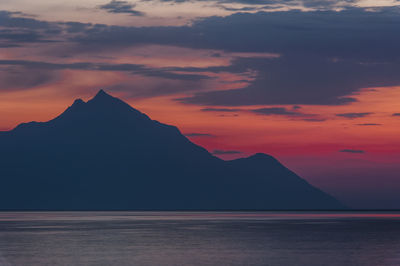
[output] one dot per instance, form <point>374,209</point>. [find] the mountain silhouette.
<point>105,155</point>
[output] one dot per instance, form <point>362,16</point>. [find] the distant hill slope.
<point>106,155</point>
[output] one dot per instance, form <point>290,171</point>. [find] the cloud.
<point>268,111</point>
<point>241,9</point>
<point>75,27</point>
<point>228,110</point>
<point>314,119</point>
<point>275,111</point>
<point>224,152</point>
<point>353,115</point>
<point>316,4</point>
<point>293,113</point>
<point>11,38</point>
<point>116,6</point>
<point>153,81</point>
<point>326,56</point>
<point>396,114</point>
<point>17,31</point>
<point>324,33</point>
<point>10,20</point>
<point>132,68</point>
<point>352,151</point>
<point>369,124</point>
<point>299,79</point>
<point>11,78</point>
<point>199,135</point>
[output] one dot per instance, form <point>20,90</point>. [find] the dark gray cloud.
<point>75,27</point>
<point>116,6</point>
<point>369,124</point>
<point>10,20</point>
<point>47,66</point>
<point>354,115</point>
<point>293,113</point>
<point>132,68</point>
<point>317,4</point>
<point>275,111</point>
<point>314,119</point>
<point>232,115</point>
<point>241,9</point>
<point>17,31</point>
<point>326,4</point>
<point>228,110</point>
<point>306,79</point>
<point>327,33</point>
<point>224,152</point>
<point>17,78</point>
<point>354,33</point>
<point>192,135</point>
<point>13,38</point>
<point>396,114</point>
<point>252,2</point>
<point>352,151</point>
<point>326,55</point>
<point>160,82</point>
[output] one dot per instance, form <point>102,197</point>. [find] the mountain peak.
<point>78,102</point>
<point>104,103</point>
<point>101,94</point>
<point>103,99</point>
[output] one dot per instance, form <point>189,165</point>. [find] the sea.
<point>199,238</point>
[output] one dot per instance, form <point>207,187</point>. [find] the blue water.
<point>199,238</point>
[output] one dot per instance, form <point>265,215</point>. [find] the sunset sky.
<point>314,83</point>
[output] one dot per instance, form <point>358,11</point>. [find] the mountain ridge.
<point>105,154</point>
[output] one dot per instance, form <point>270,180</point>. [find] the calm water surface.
<point>199,238</point>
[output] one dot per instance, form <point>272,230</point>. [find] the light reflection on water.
<point>199,238</point>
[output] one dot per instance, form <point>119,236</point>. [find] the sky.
<point>315,83</point>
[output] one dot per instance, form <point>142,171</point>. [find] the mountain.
<point>105,155</point>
